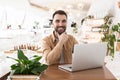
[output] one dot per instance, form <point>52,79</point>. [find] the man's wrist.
<point>61,43</point>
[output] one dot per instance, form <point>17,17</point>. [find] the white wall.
<point>101,8</point>
<point>15,12</point>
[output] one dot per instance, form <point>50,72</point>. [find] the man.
<point>58,47</point>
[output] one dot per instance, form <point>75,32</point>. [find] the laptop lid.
<point>87,56</point>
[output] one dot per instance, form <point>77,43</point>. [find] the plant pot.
<point>24,77</point>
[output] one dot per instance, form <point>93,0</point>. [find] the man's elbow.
<point>49,62</point>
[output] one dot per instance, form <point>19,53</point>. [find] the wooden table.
<point>54,73</point>
<point>4,77</point>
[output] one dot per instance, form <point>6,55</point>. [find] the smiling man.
<point>58,46</point>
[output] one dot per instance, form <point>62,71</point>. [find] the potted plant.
<point>74,26</point>
<point>25,67</point>
<point>110,34</point>
<point>36,26</point>
<point>86,18</point>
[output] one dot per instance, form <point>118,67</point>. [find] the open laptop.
<point>87,56</point>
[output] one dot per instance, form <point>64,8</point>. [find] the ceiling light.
<point>80,6</point>
<point>69,6</point>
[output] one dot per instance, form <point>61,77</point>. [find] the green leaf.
<point>14,59</point>
<point>21,55</point>
<point>14,66</point>
<point>115,28</point>
<point>39,69</point>
<point>37,58</point>
<point>27,66</point>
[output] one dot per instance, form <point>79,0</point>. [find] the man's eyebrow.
<point>57,20</point>
<point>64,20</point>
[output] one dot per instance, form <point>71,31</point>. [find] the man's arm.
<point>54,54</point>
<point>51,55</point>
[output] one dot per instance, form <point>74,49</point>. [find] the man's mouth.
<point>60,30</point>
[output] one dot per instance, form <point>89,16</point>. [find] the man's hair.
<point>61,12</point>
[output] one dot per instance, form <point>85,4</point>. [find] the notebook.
<point>87,56</point>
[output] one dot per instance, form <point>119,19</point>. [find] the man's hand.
<point>63,37</point>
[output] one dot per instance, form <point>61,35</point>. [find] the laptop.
<point>87,56</point>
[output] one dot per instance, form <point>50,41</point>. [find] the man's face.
<point>59,23</point>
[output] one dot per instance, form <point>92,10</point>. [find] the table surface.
<point>53,73</point>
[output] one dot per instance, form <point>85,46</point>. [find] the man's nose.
<point>60,23</point>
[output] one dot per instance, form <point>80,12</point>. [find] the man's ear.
<point>52,26</point>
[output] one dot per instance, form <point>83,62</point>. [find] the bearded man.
<point>58,46</point>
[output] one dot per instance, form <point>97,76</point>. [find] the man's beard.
<point>60,29</point>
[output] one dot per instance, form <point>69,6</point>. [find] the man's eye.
<point>63,21</point>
